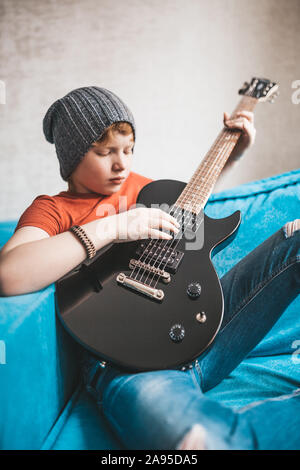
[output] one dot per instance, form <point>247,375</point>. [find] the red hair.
<point>123,128</point>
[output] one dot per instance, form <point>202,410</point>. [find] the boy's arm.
<point>29,265</point>
<point>33,265</point>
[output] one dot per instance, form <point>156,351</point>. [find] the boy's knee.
<point>193,440</point>
<point>291,227</point>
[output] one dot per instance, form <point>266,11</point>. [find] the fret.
<point>198,189</point>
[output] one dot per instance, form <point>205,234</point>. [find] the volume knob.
<point>194,290</point>
<point>177,333</point>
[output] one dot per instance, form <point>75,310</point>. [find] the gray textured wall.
<point>177,64</point>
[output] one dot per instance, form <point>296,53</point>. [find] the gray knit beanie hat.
<point>78,119</point>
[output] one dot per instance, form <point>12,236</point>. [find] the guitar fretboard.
<point>198,189</point>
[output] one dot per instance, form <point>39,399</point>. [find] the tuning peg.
<point>273,97</point>
<point>244,87</point>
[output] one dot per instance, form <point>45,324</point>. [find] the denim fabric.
<point>154,410</point>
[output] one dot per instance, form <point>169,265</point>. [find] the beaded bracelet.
<point>87,243</point>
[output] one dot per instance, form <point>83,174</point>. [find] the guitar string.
<point>187,219</point>
<point>232,132</point>
<point>179,212</point>
<point>220,156</point>
<point>178,239</point>
<point>178,209</point>
<point>224,148</point>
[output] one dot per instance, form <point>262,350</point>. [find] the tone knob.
<point>194,290</point>
<point>177,333</point>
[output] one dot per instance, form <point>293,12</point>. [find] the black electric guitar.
<point>157,304</point>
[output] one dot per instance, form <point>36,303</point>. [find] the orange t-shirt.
<point>56,214</point>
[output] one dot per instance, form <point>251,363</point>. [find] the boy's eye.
<point>107,153</point>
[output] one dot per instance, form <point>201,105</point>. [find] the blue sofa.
<point>42,402</point>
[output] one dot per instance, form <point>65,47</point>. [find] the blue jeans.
<point>154,410</point>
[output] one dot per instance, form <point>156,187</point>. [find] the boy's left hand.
<point>243,120</point>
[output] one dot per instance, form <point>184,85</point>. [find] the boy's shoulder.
<point>45,197</point>
<point>44,212</point>
<point>45,200</point>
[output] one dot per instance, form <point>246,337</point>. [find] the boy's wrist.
<point>102,231</point>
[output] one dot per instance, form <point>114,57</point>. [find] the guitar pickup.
<point>161,254</point>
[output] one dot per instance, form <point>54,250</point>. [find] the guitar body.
<point>158,304</point>
<point>132,330</point>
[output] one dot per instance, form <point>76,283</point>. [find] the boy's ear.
<point>69,181</point>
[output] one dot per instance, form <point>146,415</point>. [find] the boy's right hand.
<point>142,222</point>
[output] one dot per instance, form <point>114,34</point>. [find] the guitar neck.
<point>198,189</point>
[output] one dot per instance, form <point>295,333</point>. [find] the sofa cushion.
<point>271,369</point>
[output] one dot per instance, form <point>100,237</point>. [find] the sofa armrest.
<point>38,368</point>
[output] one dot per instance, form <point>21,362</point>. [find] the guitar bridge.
<point>165,277</point>
<point>156,294</point>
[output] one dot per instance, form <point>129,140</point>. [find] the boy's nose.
<point>119,161</point>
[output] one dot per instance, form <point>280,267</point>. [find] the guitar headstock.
<point>260,88</point>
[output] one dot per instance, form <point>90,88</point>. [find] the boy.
<point>94,136</point>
